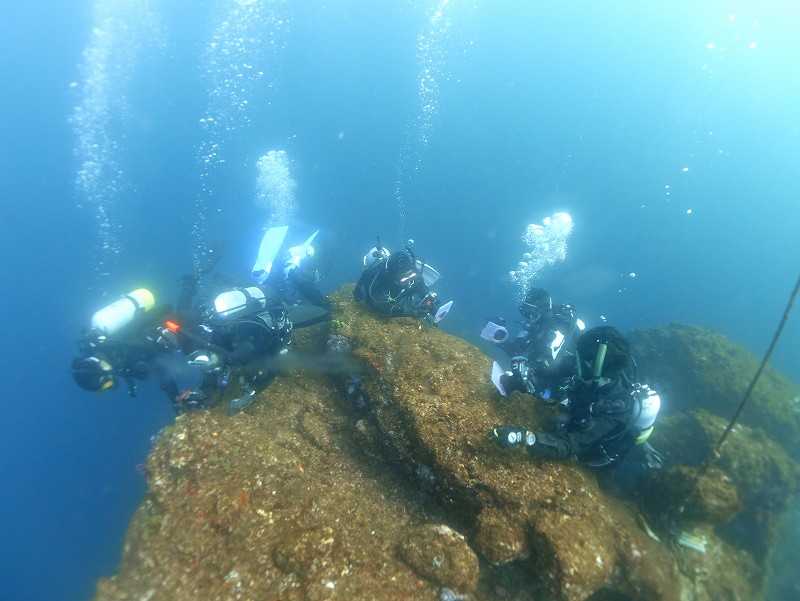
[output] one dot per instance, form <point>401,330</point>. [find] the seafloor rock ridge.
<point>378,483</point>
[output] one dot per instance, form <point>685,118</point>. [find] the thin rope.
<point>767,355</point>
<point>716,452</point>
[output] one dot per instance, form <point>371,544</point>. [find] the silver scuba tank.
<point>234,302</point>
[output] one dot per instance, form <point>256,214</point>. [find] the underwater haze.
<point>135,133</point>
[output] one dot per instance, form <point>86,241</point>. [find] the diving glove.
<point>506,437</point>
<point>244,401</point>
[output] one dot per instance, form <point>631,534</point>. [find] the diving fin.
<point>308,242</point>
<point>209,260</point>
<point>270,245</point>
<point>306,315</point>
<point>430,275</point>
<point>326,251</point>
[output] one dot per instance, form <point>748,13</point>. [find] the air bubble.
<point>548,245</point>
<point>275,187</point>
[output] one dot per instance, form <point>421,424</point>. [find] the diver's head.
<point>602,353</point>
<point>376,253</point>
<point>401,268</point>
<point>94,374</point>
<point>536,303</point>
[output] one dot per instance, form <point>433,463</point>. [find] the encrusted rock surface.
<point>743,495</point>
<point>441,555</point>
<point>699,368</point>
<point>379,483</point>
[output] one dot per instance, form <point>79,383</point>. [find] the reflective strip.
<point>644,435</point>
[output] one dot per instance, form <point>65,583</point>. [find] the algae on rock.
<point>379,483</point>
<point>694,367</point>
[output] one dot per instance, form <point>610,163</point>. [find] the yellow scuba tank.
<point>114,317</point>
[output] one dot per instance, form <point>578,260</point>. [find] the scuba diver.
<point>123,343</point>
<point>397,285</point>
<point>130,340</point>
<point>543,351</point>
<point>294,273</point>
<point>239,335</point>
<point>607,412</point>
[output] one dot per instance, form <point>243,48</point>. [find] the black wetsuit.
<point>388,296</point>
<point>247,341</point>
<point>537,342</point>
<point>133,351</point>
<point>598,425</point>
<point>297,285</point>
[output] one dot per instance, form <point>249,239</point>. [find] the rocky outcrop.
<point>699,368</point>
<point>377,482</point>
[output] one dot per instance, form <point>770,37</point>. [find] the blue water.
<point>668,131</point>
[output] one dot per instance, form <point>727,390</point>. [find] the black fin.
<point>211,258</point>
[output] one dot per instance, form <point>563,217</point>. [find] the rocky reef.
<point>700,368</point>
<point>363,472</point>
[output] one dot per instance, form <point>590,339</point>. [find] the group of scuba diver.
<point>235,335</point>
<point>605,415</point>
